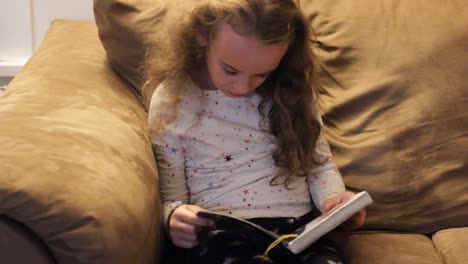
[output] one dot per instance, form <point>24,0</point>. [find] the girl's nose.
<point>245,86</point>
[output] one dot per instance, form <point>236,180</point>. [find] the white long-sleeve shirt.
<point>215,156</point>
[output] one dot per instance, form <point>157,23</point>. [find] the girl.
<point>236,129</point>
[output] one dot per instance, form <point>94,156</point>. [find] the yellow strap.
<point>276,242</point>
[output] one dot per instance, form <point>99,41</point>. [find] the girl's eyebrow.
<point>236,70</point>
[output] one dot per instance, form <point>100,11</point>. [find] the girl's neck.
<point>201,78</point>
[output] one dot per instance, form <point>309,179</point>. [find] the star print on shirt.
<point>228,158</point>
<point>173,151</point>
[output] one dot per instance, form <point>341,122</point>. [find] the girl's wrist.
<point>172,207</point>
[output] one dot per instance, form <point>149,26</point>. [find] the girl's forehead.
<point>246,52</point>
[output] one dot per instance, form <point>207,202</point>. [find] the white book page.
<point>327,222</point>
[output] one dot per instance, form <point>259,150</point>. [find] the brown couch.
<point>78,177</point>
<point>78,182</point>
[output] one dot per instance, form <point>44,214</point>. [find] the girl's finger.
<point>184,236</point>
<point>183,227</point>
<point>185,243</point>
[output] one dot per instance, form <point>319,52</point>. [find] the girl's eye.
<point>229,71</point>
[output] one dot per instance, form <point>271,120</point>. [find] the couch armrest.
<point>19,245</point>
<point>76,164</point>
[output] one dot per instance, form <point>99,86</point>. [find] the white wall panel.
<point>23,24</point>
<point>45,11</point>
<point>15,30</point>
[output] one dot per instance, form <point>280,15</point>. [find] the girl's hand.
<point>184,225</point>
<point>355,221</point>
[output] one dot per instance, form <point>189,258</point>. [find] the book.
<point>306,235</point>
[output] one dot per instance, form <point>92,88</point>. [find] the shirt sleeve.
<point>325,180</point>
<point>171,169</point>
<point>170,158</point>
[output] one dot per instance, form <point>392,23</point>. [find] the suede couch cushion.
<point>395,106</point>
<point>451,245</point>
<point>391,248</point>
<point>20,246</point>
<point>127,27</point>
<point>394,102</point>
<point>76,164</point>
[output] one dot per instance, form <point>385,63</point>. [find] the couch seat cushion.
<point>390,248</point>
<point>452,245</point>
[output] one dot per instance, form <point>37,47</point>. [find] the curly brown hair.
<point>288,109</point>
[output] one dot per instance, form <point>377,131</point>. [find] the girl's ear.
<point>202,38</point>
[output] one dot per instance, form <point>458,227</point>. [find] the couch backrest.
<point>395,103</point>
<point>127,27</point>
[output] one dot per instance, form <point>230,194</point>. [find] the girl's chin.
<point>231,94</point>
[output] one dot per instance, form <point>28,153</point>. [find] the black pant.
<point>228,246</point>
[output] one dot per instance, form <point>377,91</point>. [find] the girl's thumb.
<point>328,205</point>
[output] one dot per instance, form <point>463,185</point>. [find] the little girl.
<point>236,129</point>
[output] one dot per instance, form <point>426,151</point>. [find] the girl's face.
<point>237,65</point>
